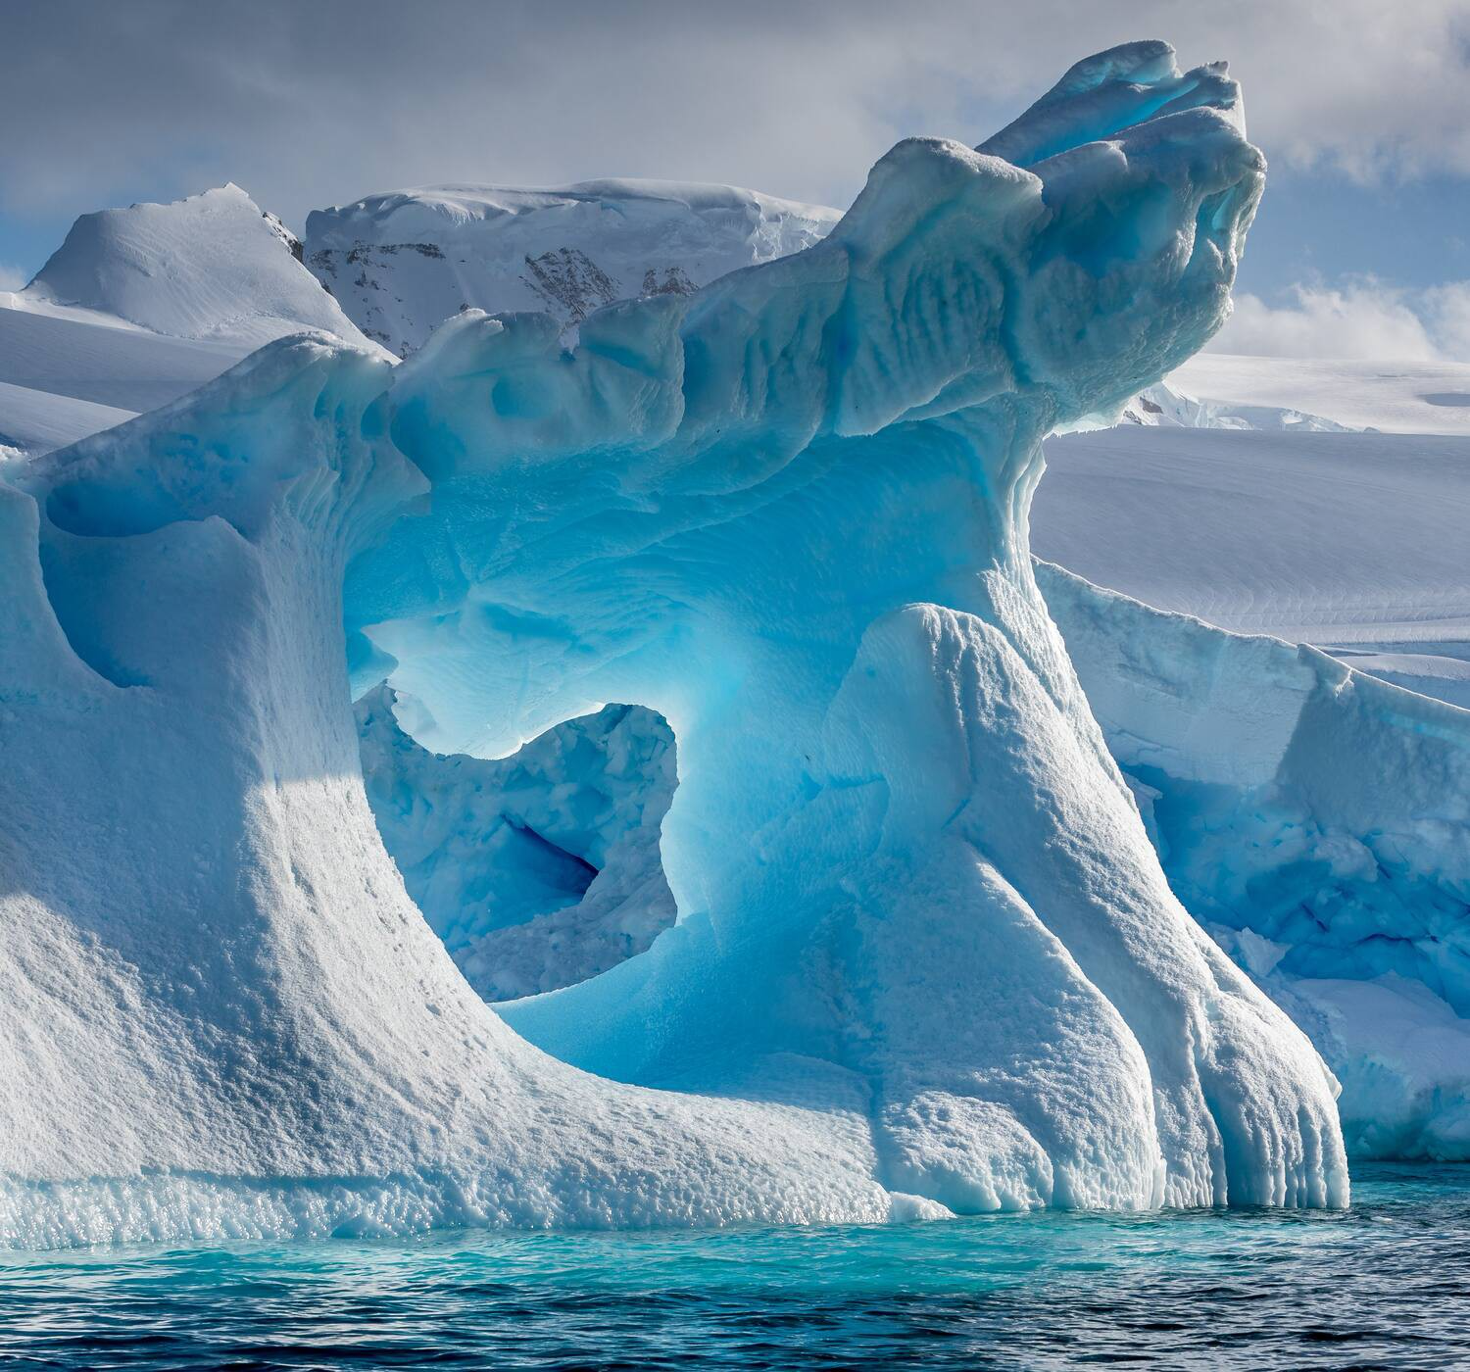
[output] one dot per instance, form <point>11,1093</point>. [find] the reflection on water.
<point>1386,1284</point>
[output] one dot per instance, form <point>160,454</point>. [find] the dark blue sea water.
<point>1386,1284</point>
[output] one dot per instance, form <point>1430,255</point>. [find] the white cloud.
<point>11,278</point>
<point>1447,309</point>
<point>1361,318</point>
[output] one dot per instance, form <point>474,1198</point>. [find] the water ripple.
<point>1385,1285</point>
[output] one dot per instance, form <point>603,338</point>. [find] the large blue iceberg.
<point>926,960</point>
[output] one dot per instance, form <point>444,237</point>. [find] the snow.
<point>1164,405</point>
<point>404,261</point>
<point>1352,542</point>
<point>789,513</point>
<point>141,305</point>
<point>37,421</point>
<point>1396,397</point>
<point>1327,538</point>
<point>214,266</point>
<point>84,356</point>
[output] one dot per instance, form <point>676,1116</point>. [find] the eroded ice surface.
<point>926,957</point>
<point>538,870</point>
<point>1318,822</point>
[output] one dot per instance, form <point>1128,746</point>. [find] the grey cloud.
<point>310,103</point>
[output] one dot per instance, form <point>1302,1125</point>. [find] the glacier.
<point>926,960</point>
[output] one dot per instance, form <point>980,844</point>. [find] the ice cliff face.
<point>402,263</point>
<point>926,959</point>
<point>1318,821</point>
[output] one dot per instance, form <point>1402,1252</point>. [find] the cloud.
<point>11,278</point>
<point>304,104</point>
<point>1448,309</point>
<point>1360,318</point>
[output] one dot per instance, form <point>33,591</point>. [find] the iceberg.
<point>926,960</point>
<point>1316,820</point>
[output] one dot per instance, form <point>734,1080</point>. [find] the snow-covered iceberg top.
<point>926,960</point>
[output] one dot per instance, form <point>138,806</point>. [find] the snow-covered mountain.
<point>402,262</point>
<point>141,305</point>
<point>214,266</point>
<point>1165,406</point>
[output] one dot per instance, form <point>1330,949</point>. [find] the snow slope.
<point>37,421</point>
<point>1353,542</point>
<point>1327,538</point>
<point>403,262</point>
<point>223,1013</point>
<point>141,305</point>
<point>214,266</point>
<point>1350,541</point>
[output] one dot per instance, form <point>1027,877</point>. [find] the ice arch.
<point>925,949</point>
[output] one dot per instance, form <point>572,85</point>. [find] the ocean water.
<point>1384,1285</point>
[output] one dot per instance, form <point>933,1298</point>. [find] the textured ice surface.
<point>925,948</point>
<point>1346,896</point>
<point>538,870</point>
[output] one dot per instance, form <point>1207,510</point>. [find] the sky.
<point>1361,106</point>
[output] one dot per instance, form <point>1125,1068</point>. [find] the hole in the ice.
<point>537,870</point>
<point>1453,399</point>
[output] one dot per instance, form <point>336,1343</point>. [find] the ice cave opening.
<point>537,870</point>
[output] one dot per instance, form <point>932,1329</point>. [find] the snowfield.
<point>214,266</point>
<point>1322,538</point>
<point>1396,397</point>
<point>142,305</point>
